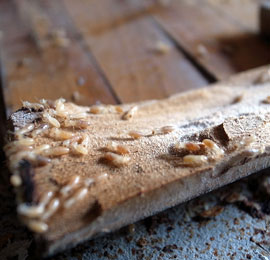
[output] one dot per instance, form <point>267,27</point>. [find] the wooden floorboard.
<point>220,44</point>
<point>34,68</point>
<point>124,44</point>
<point>243,12</point>
<point>112,53</point>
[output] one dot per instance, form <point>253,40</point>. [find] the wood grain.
<point>33,71</point>
<point>123,39</point>
<point>216,41</point>
<point>112,54</point>
<point>243,12</point>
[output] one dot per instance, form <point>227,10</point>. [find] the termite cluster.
<point>58,124</point>
<point>198,153</point>
<point>36,216</point>
<point>116,154</point>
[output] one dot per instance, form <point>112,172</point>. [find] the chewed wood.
<point>210,139</point>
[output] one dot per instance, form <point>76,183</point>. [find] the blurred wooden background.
<point>116,51</point>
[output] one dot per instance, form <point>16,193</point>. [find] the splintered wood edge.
<point>142,205</point>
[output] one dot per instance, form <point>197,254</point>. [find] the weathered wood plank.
<point>123,38</point>
<point>220,44</point>
<point>37,66</point>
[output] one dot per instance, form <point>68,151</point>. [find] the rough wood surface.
<point>235,117</point>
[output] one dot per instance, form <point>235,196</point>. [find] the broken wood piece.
<point>218,141</point>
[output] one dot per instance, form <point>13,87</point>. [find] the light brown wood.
<point>126,64</point>
<point>123,65</point>
<point>32,72</point>
<point>216,41</point>
<point>124,42</point>
<point>243,12</point>
<point>233,115</point>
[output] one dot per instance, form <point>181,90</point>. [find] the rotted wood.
<point>214,136</point>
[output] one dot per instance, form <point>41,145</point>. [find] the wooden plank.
<point>105,15</point>
<point>123,38</point>
<point>217,42</point>
<point>33,71</point>
<point>243,12</point>
<point>208,113</point>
